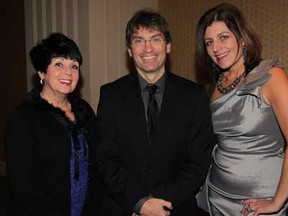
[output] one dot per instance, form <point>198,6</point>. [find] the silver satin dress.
<point>248,158</point>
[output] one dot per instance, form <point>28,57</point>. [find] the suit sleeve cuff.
<point>140,203</point>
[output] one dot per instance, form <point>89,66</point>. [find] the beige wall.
<point>107,51</point>
<point>98,28</point>
<point>269,17</point>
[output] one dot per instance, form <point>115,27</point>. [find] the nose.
<point>148,46</point>
<point>68,71</point>
<point>216,47</point>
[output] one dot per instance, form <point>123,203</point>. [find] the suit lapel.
<point>170,102</point>
<point>135,107</point>
<point>170,98</point>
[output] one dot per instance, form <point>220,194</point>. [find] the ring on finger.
<point>248,208</point>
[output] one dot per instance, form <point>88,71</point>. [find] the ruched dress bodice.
<point>248,158</point>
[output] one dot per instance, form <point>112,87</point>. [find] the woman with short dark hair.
<point>50,138</point>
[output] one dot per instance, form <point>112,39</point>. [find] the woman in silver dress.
<point>249,105</point>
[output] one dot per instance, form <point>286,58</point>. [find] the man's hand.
<point>156,207</point>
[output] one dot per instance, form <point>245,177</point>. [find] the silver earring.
<point>245,53</point>
<point>41,81</point>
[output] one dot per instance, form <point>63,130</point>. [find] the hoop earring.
<point>41,81</point>
<point>245,53</point>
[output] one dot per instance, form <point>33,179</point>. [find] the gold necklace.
<point>227,89</point>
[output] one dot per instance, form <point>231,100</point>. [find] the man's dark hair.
<point>147,19</point>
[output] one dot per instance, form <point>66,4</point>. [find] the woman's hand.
<point>259,206</point>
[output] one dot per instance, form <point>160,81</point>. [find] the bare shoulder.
<point>277,86</point>
<point>278,78</point>
<point>278,72</point>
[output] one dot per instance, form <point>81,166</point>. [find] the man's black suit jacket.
<point>174,166</point>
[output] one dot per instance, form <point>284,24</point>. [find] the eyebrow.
<point>156,35</point>
<point>224,32</point>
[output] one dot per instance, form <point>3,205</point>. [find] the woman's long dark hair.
<point>206,70</point>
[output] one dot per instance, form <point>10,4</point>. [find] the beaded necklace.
<point>227,89</point>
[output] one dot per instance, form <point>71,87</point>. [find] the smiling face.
<point>61,77</point>
<point>149,50</point>
<point>222,46</point>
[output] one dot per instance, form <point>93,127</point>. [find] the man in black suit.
<point>153,165</point>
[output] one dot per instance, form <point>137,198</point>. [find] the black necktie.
<point>152,111</point>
